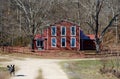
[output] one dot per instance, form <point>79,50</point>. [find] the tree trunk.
<point>97,48</point>
<point>97,43</point>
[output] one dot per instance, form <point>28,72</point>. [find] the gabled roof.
<point>84,36</point>
<point>62,21</point>
<point>39,36</point>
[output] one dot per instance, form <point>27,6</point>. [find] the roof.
<point>91,36</point>
<point>62,21</point>
<point>83,36</point>
<point>39,36</point>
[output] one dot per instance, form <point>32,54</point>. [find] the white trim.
<point>71,30</point>
<point>61,41</point>
<point>61,30</point>
<point>55,40</point>
<point>71,42</point>
<point>55,30</point>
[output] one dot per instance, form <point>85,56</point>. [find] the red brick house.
<point>63,35</point>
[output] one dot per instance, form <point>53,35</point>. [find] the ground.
<point>29,64</point>
<point>28,67</point>
<point>86,69</point>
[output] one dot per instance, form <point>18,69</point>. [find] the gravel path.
<point>28,69</point>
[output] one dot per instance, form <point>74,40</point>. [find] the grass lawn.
<point>85,69</point>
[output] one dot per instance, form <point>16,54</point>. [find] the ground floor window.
<point>73,42</point>
<point>53,42</point>
<point>63,42</point>
<point>39,43</point>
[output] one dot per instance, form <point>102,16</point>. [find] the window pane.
<point>53,29</point>
<point>38,42</point>
<point>53,42</point>
<point>73,42</point>
<point>63,30</point>
<point>63,42</point>
<point>41,43</point>
<point>73,30</point>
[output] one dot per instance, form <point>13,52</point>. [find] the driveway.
<point>29,67</point>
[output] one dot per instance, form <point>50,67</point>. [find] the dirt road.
<point>29,67</point>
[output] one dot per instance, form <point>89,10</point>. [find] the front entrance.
<point>40,44</point>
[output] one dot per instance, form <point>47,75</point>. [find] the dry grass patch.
<point>45,54</point>
<point>85,69</point>
<point>4,60</point>
<point>4,73</point>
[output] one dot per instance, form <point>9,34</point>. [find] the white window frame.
<point>51,42</point>
<point>71,30</point>
<point>61,30</point>
<point>55,30</point>
<point>61,41</point>
<point>71,42</point>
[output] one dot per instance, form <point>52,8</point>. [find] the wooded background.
<point>20,20</point>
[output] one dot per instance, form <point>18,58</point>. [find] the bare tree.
<point>34,13</point>
<point>96,16</point>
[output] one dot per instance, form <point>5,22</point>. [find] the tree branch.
<point>110,23</point>
<point>21,5</point>
<point>91,26</point>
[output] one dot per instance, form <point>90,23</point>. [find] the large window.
<point>53,31</point>
<point>73,30</point>
<point>53,42</point>
<point>63,42</point>
<point>63,31</point>
<point>73,42</point>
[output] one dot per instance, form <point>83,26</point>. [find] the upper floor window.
<point>73,30</point>
<point>73,42</point>
<point>63,31</point>
<point>63,42</point>
<point>53,42</point>
<point>53,31</point>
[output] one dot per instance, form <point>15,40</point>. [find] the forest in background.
<point>19,23</point>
